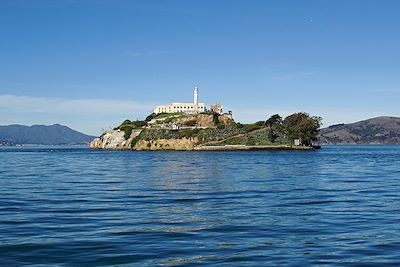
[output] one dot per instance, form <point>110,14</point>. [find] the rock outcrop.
<point>167,144</point>
<point>202,120</point>
<point>114,140</point>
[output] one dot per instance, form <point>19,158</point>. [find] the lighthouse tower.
<point>196,99</point>
<point>189,108</point>
<point>196,95</point>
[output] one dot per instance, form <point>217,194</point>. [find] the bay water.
<point>338,206</point>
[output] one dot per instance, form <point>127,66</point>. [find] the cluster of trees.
<point>299,126</point>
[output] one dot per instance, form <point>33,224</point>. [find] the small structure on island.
<point>217,108</point>
<point>190,108</point>
<point>175,127</point>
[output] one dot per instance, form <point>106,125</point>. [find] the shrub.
<point>127,130</point>
<point>250,127</point>
<point>150,117</point>
<point>260,123</point>
<point>190,123</point>
<point>215,118</point>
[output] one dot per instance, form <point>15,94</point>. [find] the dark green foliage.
<point>139,124</point>
<point>217,134</point>
<point>255,138</point>
<point>127,132</point>
<point>274,120</point>
<point>150,117</point>
<point>273,134</point>
<point>137,138</point>
<point>260,123</point>
<point>188,133</point>
<point>190,123</point>
<point>250,127</point>
<point>169,120</point>
<point>132,124</point>
<point>275,127</point>
<point>126,122</point>
<point>302,126</point>
<point>128,126</point>
<point>215,118</point>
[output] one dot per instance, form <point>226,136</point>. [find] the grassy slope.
<point>219,134</point>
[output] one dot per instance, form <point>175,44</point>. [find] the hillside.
<point>42,135</point>
<point>380,130</point>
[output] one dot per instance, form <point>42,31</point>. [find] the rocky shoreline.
<point>197,132</point>
<point>252,148</point>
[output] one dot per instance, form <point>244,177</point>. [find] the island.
<point>192,127</point>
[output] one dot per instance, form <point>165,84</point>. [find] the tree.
<point>215,118</point>
<point>302,126</point>
<point>275,127</point>
<point>126,122</point>
<point>274,119</point>
<point>150,117</point>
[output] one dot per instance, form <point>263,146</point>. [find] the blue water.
<point>339,206</point>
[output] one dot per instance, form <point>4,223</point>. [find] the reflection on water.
<point>338,206</point>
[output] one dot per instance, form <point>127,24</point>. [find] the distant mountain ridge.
<point>42,135</point>
<point>379,130</point>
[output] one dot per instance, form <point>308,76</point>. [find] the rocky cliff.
<point>163,132</point>
<point>114,140</point>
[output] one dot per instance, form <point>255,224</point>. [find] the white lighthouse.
<point>196,96</point>
<point>189,108</point>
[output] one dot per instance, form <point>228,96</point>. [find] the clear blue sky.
<point>92,64</point>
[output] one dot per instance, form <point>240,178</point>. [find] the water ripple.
<point>76,207</point>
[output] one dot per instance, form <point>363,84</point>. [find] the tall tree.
<point>302,126</point>
<point>275,127</point>
<point>274,119</point>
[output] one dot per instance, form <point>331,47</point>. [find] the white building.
<point>194,107</point>
<point>217,108</point>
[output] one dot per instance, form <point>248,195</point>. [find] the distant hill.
<point>380,130</point>
<point>42,135</point>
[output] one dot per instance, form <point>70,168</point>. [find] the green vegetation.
<point>128,126</point>
<point>276,130</point>
<point>250,127</point>
<point>150,117</point>
<point>273,131</point>
<point>302,126</point>
<point>190,123</point>
<point>154,134</point>
<point>137,139</point>
<point>167,115</point>
<point>127,132</point>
